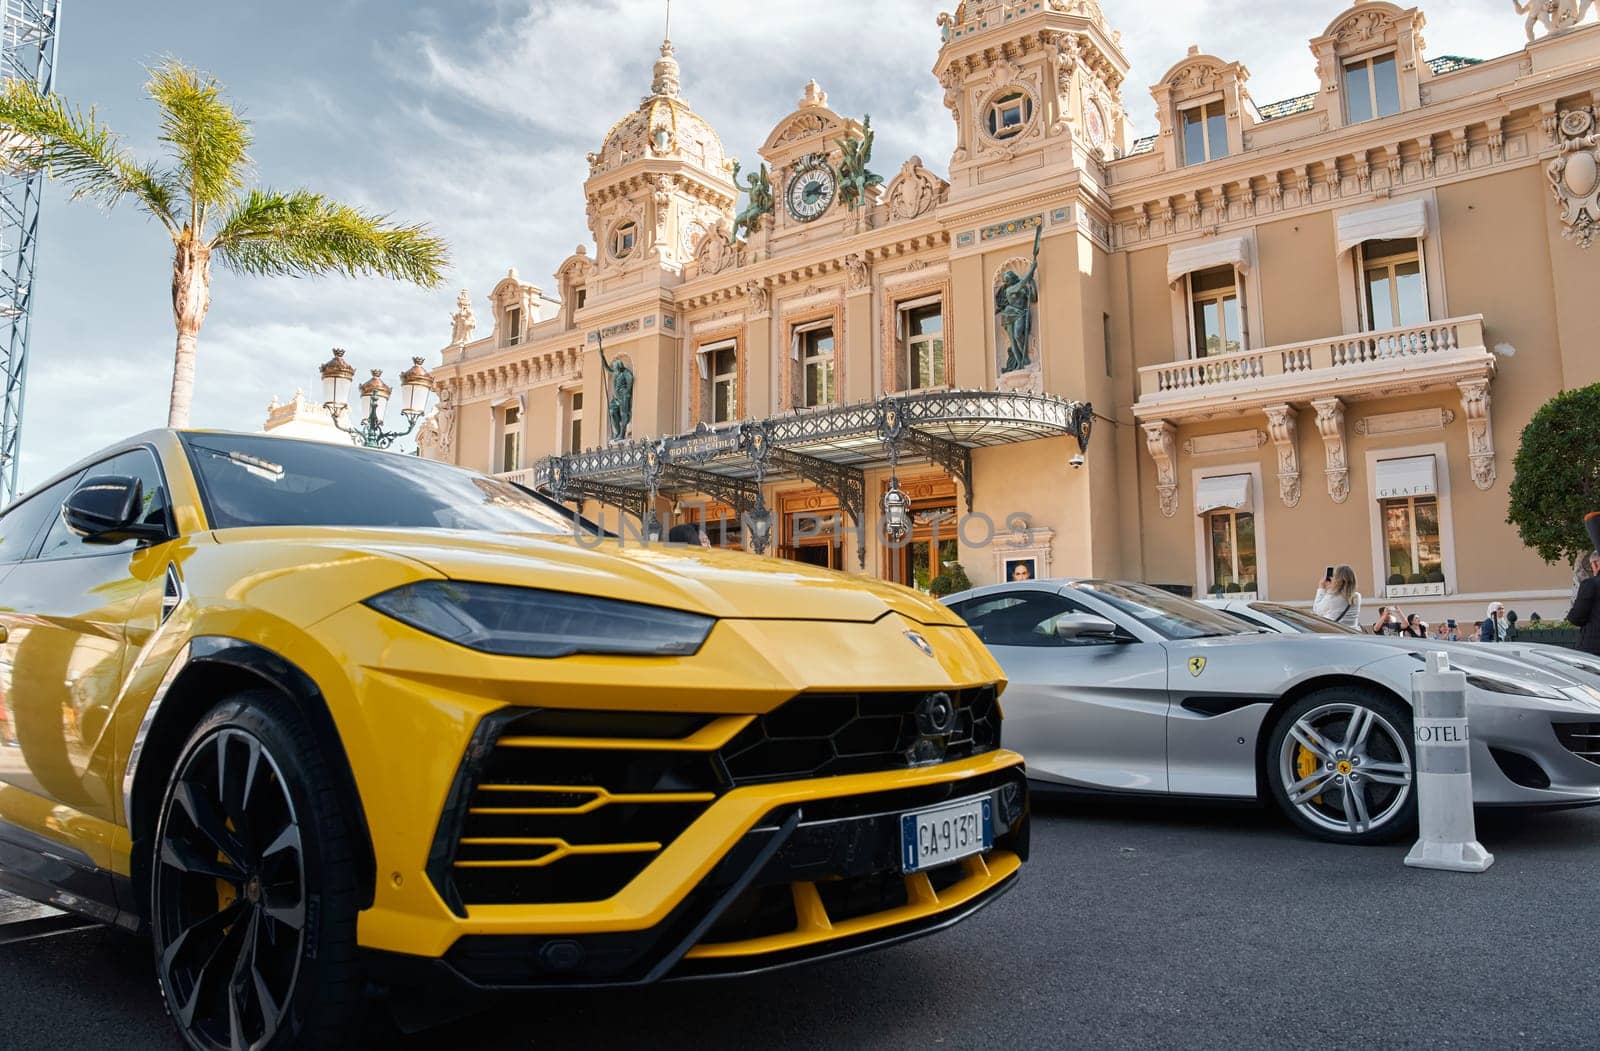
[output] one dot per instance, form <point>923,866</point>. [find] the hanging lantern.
<point>758,530</point>
<point>896,513</point>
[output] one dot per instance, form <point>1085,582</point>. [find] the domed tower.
<point>659,183</point>
<point>1035,88</point>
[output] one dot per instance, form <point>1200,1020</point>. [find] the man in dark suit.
<point>1585,612</point>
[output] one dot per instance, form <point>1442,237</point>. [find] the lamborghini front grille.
<point>825,735</point>
<point>561,806</point>
<point>557,806</point>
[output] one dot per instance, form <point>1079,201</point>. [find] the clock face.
<point>1096,124</point>
<point>811,192</point>
<point>692,232</point>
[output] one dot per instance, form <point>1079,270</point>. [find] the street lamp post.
<point>416,383</point>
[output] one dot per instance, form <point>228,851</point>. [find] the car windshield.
<point>1300,620</point>
<point>251,480</point>
<point>1162,612</point>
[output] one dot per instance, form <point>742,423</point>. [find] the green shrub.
<point>1557,478</point>
<point>1395,579</point>
<point>1436,577</point>
<point>1417,578</point>
<point>951,581</point>
<point>1217,589</point>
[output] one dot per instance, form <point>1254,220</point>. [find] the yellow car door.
<point>72,613</point>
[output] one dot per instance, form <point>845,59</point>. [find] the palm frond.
<point>42,133</point>
<point>301,233</point>
<point>209,139</point>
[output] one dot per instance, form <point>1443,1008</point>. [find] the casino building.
<point>1272,336</point>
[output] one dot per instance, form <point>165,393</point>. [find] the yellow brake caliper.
<point>1305,764</point>
<point>227,893</point>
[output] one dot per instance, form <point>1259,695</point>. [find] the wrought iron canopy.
<point>831,447</point>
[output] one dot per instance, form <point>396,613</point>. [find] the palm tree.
<point>202,202</point>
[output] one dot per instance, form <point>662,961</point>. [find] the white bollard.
<point>1447,837</point>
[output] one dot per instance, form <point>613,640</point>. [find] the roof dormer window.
<point>1371,88</point>
<point>1205,132</point>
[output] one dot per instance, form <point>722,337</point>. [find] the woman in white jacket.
<point>1337,598</point>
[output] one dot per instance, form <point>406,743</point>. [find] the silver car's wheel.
<point>1342,766</point>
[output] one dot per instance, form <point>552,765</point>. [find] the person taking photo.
<point>1337,598</point>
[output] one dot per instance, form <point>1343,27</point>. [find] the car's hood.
<point>1364,650</point>
<point>718,583</point>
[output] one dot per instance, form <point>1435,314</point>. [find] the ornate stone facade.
<point>810,298</point>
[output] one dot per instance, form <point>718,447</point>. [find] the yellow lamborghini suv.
<point>318,718</point>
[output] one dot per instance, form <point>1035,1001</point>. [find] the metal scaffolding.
<point>27,52</point>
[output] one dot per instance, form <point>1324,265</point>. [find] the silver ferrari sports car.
<point>1127,689</point>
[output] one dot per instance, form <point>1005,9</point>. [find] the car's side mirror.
<point>108,509</point>
<point>1084,626</point>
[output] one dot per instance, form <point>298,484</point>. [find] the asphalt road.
<point>1133,927</point>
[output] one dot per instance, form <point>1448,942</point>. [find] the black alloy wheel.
<point>252,895</point>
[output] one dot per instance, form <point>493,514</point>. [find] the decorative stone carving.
<point>462,322</point>
<point>1363,27</point>
<point>437,435</point>
<point>717,250</point>
<point>1284,428</point>
<point>1400,422</point>
<point>1554,16</point>
<point>859,277</point>
<point>1330,424</point>
<point>1227,442</point>
<point>915,191</point>
<point>1159,438</point>
<point>1480,433</point>
<point>1575,176</point>
<point>759,297</point>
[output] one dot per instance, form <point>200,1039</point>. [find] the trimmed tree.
<point>953,580</point>
<point>201,201</point>
<point>1558,476</point>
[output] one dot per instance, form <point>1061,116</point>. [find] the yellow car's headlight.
<point>527,622</point>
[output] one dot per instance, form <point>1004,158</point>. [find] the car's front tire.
<point>1340,765</point>
<point>253,895</point>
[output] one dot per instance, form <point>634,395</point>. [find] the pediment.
<point>805,125</point>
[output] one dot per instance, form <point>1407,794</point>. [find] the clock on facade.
<point>692,232</point>
<point>1095,123</point>
<point>811,191</point>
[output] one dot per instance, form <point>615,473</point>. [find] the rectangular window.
<point>583,297</point>
<point>1394,291</point>
<point>921,329</point>
<point>511,439</point>
<point>1411,538</point>
<point>575,421</point>
<point>724,367</point>
<point>1231,537</point>
<point>1205,133</point>
<point>817,367</point>
<point>513,326</point>
<point>1214,306</point>
<point>1371,88</point>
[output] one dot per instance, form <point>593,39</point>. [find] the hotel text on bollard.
<point>1447,837</point>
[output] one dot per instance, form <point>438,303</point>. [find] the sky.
<point>476,116</point>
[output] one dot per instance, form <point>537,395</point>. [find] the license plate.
<point>949,833</point>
